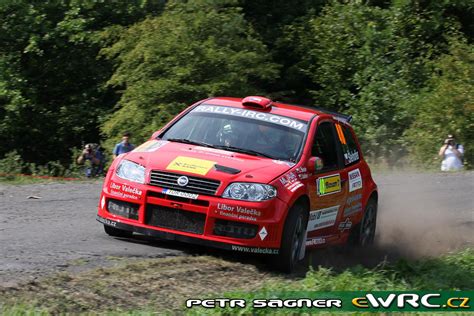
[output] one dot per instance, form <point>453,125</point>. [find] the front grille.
<point>171,218</point>
<point>195,185</point>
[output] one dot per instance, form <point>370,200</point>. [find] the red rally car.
<point>248,175</point>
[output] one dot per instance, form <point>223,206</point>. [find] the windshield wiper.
<point>245,151</point>
<point>191,142</point>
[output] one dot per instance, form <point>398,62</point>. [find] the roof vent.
<point>257,102</point>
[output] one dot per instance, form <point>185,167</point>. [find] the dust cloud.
<point>419,215</point>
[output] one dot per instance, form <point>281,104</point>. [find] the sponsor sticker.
<point>351,156</point>
<point>185,195</point>
<point>191,165</point>
<point>266,117</point>
<point>267,251</point>
<point>291,182</point>
<point>328,184</point>
<point>353,204</point>
<point>355,180</point>
<point>106,221</point>
<point>315,241</point>
<point>302,173</point>
<point>151,145</point>
<point>322,218</point>
<point>347,224</point>
<point>238,212</point>
<point>125,191</point>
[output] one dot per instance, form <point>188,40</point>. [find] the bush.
<point>11,165</point>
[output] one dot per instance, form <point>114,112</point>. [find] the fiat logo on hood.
<point>183,181</point>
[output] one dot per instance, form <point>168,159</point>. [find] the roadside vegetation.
<point>163,285</point>
<point>79,72</point>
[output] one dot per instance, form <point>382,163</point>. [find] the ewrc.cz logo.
<point>411,300</point>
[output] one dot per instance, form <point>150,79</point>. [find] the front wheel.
<point>292,240</point>
<point>115,232</point>
<point>363,235</point>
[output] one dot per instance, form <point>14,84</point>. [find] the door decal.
<point>328,184</point>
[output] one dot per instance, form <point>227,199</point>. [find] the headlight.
<point>129,170</point>
<point>249,191</point>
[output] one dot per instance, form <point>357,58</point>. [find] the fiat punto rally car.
<point>248,175</point>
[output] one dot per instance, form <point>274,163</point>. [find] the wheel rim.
<point>296,242</point>
<point>368,227</point>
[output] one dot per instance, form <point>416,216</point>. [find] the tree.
<point>445,106</point>
<point>192,51</point>
<point>52,91</point>
<point>366,60</point>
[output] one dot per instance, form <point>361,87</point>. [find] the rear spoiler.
<point>339,116</point>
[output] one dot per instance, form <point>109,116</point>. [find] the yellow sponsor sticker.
<point>329,184</point>
<point>191,165</point>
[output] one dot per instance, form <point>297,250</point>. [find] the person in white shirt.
<point>452,154</point>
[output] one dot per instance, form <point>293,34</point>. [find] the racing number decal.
<point>191,165</point>
<point>340,134</point>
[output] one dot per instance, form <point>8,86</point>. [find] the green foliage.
<point>51,82</point>
<point>446,106</point>
<point>11,165</point>
<point>366,60</point>
<point>192,51</point>
<point>77,72</point>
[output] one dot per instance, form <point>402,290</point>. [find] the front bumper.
<point>267,217</point>
<point>186,239</point>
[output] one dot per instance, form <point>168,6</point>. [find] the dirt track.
<point>419,214</point>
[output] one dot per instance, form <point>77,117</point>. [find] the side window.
<point>324,146</point>
<point>348,144</point>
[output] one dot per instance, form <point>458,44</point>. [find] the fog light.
<point>234,229</point>
<point>124,209</point>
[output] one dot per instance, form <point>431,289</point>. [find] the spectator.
<point>452,154</point>
<point>93,160</point>
<point>124,146</point>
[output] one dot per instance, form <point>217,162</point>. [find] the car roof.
<point>294,111</point>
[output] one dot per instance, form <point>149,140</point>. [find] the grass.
<point>450,272</point>
<point>162,285</point>
<point>132,286</point>
<point>20,180</point>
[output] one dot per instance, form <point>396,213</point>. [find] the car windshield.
<point>240,130</point>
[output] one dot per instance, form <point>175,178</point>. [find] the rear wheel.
<point>363,235</point>
<point>115,232</point>
<point>292,240</point>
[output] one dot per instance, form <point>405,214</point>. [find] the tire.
<point>115,232</point>
<point>363,234</point>
<point>294,233</point>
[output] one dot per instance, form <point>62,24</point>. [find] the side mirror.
<point>315,164</point>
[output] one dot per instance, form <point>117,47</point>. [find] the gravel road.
<point>51,227</point>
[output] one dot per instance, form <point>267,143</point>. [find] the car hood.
<point>222,165</point>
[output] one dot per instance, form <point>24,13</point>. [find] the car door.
<point>352,211</point>
<point>326,186</point>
